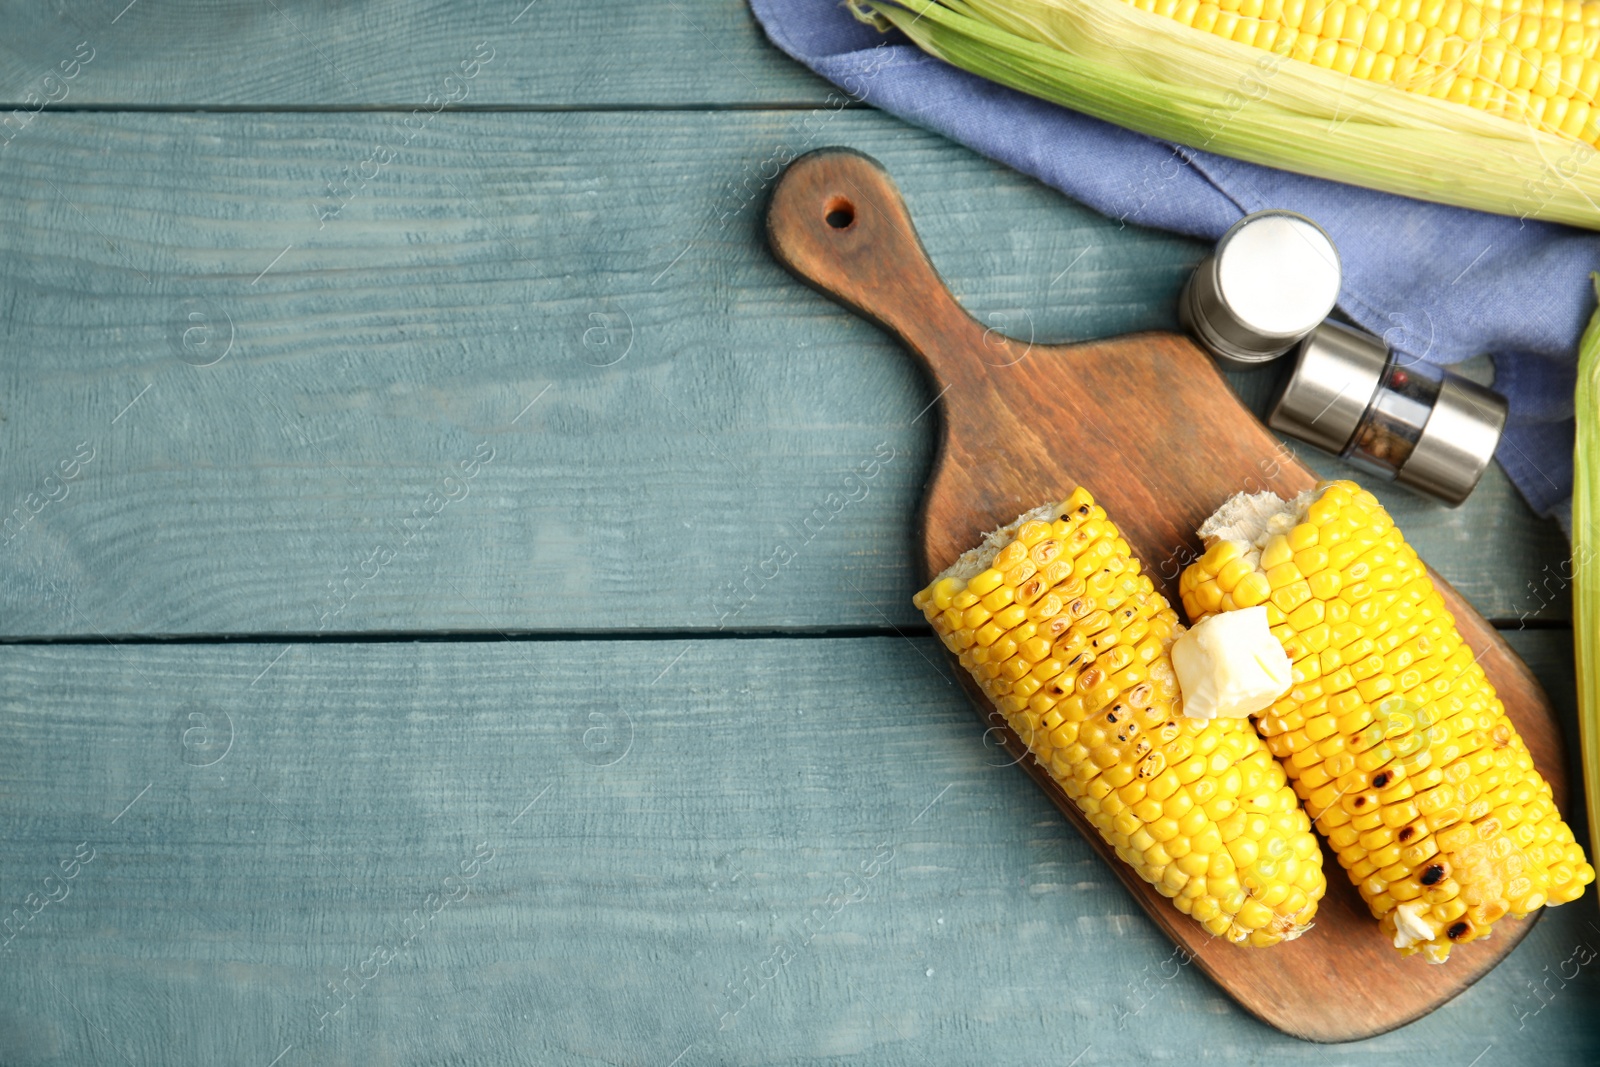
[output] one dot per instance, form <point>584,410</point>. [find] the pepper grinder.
<point>1399,418</point>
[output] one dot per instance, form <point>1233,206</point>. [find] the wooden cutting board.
<point>1148,425</point>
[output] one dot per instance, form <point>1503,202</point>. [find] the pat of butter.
<point>1230,665</point>
<point>1410,928</point>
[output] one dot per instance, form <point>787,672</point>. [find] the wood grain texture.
<point>619,907</point>
<point>1150,427</point>
<point>701,405</point>
<point>288,53</point>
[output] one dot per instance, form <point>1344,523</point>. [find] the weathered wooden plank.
<point>288,53</point>
<point>692,405</point>
<point>662,826</point>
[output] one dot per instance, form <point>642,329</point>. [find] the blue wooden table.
<point>398,411</point>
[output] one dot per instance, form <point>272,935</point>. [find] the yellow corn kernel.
<point>1252,589</point>
<point>1231,572</point>
<point>1276,553</point>
<point>985,582</point>
<point>1000,598</point>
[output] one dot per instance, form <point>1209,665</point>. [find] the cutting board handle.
<point>837,221</point>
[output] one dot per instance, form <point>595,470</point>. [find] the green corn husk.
<point>1586,565</point>
<point>1153,74</point>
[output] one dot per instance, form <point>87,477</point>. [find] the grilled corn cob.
<point>1070,642</point>
<point>1391,733</point>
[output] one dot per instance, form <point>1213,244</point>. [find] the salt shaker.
<point>1273,277</point>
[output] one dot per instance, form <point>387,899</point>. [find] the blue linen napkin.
<point>1438,283</point>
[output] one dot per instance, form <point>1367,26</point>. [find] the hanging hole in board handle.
<point>839,213</point>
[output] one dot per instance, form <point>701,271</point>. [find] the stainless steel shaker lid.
<point>1273,277</point>
<point>1336,373</point>
<point>1457,442</point>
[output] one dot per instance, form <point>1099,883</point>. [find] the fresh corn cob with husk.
<point>1586,563</point>
<point>1489,105</point>
<point>1392,735</point>
<point>1527,61</point>
<point>1070,642</point>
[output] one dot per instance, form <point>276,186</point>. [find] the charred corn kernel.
<point>1393,736</point>
<point>1091,692</point>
